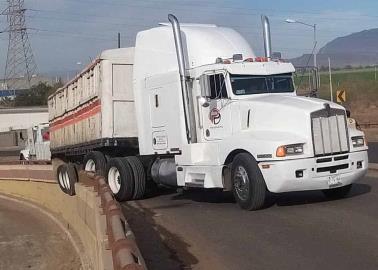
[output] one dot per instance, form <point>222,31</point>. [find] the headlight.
<point>290,150</point>
<point>358,141</point>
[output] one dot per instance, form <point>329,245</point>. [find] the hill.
<point>357,49</point>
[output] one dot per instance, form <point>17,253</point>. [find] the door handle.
<point>200,123</point>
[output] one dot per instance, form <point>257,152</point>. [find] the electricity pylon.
<point>20,66</point>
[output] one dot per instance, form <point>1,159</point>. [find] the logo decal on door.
<point>215,116</point>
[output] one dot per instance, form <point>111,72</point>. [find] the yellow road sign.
<point>341,96</point>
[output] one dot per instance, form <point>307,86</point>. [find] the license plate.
<point>334,181</point>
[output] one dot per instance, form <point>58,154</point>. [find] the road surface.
<point>30,240</point>
<point>301,230</point>
<point>373,152</point>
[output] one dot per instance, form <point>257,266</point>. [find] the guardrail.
<point>126,254</point>
<point>368,125</point>
<point>107,240</point>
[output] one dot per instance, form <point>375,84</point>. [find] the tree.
<point>37,95</point>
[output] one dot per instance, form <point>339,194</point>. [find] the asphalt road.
<point>30,240</point>
<point>300,230</point>
<point>373,152</point>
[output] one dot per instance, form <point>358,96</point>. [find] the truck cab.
<point>37,146</point>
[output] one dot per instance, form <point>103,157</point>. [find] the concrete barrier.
<point>82,215</point>
<point>125,252</point>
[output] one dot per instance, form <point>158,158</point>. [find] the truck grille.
<point>329,131</point>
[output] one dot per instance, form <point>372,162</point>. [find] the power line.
<point>200,7</point>
<point>144,26</point>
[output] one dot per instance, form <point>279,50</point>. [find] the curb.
<point>373,166</point>
<point>26,162</point>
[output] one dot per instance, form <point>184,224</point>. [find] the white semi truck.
<point>192,106</point>
<point>37,145</point>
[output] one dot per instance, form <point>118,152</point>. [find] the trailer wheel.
<point>72,178</point>
<point>60,173</point>
<point>95,161</point>
<point>139,177</point>
<point>67,177</point>
<point>248,183</point>
<point>120,179</point>
<point>337,193</point>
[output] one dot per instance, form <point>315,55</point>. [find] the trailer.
<point>192,106</point>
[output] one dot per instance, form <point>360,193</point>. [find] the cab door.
<point>216,114</point>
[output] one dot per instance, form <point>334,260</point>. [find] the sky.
<point>65,33</point>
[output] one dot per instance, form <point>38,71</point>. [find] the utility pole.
<point>20,65</point>
<point>330,79</point>
<point>119,40</point>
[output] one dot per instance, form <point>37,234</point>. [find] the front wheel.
<point>248,183</point>
<point>337,193</point>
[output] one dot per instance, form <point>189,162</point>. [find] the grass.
<point>360,85</point>
<point>361,88</point>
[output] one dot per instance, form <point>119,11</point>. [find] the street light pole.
<point>315,41</point>
<point>330,79</point>
<point>315,44</point>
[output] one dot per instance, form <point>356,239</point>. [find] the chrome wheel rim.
<point>241,183</point>
<point>90,166</point>
<point>67,180</point>
<point>114,180</point>
<point>61,180</point>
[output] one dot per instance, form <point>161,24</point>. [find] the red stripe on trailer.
<point>78,116</point>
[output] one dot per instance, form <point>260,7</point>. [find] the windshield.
<point>258,84</point>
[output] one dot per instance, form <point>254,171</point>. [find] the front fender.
<point>262,145</point>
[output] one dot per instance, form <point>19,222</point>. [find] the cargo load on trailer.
<point>96,109</point>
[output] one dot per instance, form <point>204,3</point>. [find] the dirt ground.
<point>367,115</point>
<point>30,240</point>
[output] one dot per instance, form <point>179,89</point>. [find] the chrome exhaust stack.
<point>182,70</point>
<point>267,37</point>
<point>178,42</point>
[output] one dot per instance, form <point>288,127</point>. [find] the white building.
<point>22,118</point>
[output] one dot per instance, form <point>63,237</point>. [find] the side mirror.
<point>205,87</point>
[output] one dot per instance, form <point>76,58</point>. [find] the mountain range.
<point>357,49</point>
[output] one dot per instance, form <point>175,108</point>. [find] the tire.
<point>120,179</point>
<point>248,183</point>
<point>60,174</point>
<point>139,176</point>
<point>72,178</point>
<point>67,177</point>
<point>95,161</point>
<point>337,193</point>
